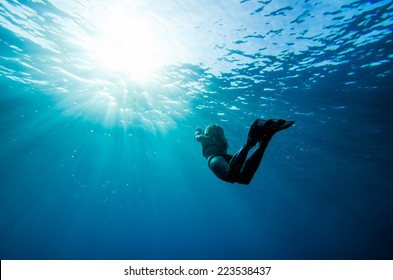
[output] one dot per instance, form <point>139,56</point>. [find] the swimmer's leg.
<point>252,164</point>
<point>238,159</point>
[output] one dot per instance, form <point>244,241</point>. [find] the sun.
<point>125,43</point>
<point>126,51</point>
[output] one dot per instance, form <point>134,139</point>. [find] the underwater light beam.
<point>125,48</point>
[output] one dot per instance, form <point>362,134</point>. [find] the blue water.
<point>99,104</point>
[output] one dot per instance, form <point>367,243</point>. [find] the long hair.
<point>216,132</point>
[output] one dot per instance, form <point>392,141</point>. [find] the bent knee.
<point>244,181</point>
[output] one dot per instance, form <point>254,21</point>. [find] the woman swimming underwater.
<point>237,168</point>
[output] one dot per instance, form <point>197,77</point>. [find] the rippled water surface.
<point>100,99</point>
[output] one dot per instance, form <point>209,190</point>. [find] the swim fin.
<point>280,125</point>
<point>262,128</point>
<point>272,126</point>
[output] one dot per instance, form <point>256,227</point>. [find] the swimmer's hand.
<point>198,133</point>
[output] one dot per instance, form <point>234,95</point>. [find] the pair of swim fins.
<point>267,128</point>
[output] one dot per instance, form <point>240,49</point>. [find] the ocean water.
<point>99,104</point>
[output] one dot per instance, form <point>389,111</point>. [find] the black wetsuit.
<point>236,168</point>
